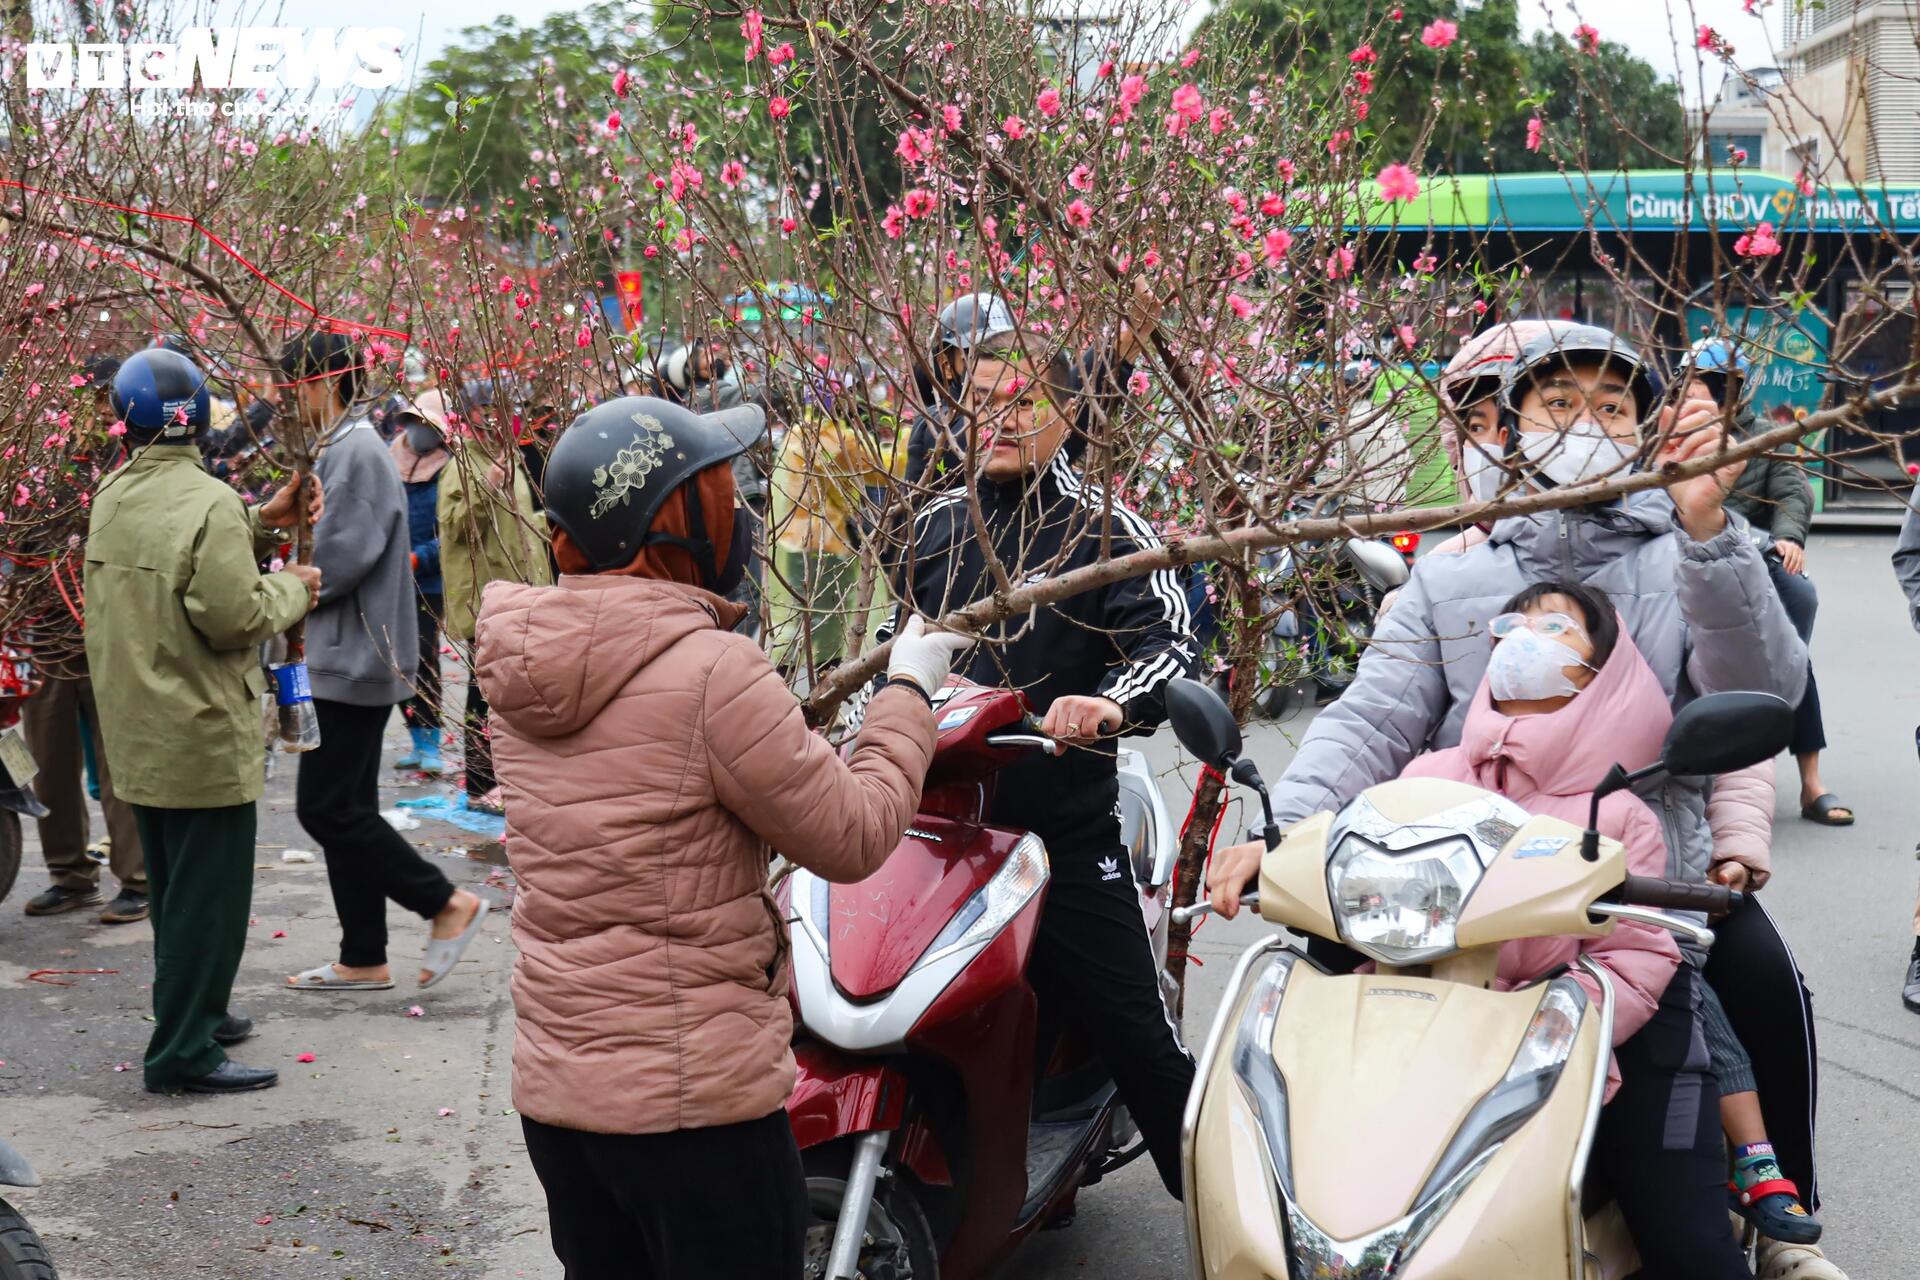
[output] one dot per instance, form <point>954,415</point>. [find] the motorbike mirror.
<point>1202,723</point>
<point>1722,732</point>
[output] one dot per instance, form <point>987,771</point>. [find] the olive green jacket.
<point>481,539</point>
<point>1772,493</point>
<point>176,611</point>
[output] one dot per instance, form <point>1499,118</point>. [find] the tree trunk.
<point>1211,796</point>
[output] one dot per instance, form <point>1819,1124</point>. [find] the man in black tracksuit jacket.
<point>1093,666</point>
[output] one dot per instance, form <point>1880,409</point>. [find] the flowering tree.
<point>1247,241</point>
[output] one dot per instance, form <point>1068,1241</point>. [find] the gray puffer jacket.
<point>1704,614</point>
<point>1906,557</point>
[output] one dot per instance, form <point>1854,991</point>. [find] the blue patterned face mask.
<point>1528,667</point>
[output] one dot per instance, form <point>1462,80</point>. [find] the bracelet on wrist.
<point>903,682</point>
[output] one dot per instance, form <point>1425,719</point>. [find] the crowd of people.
<point>647,754</point>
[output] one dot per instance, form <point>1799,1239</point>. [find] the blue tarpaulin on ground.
<point>453,809</point>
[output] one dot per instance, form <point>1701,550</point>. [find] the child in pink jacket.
<point>1546,751</point>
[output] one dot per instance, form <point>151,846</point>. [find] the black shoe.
<point>126,908</point>
<point>1910,996</point>
<point>56,901</point>
<point>228,1077</point>
<point>232,1030</point>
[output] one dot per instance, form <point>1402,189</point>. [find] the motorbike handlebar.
<point>1025,739</point>
<point>1204,907</point>
<point>1674,895</point>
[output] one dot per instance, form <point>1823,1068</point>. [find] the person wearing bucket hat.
<point>419,451</point>
<point>176,611</point>
<point>653,762</point>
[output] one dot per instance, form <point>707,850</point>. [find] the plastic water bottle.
<point>299,726</point>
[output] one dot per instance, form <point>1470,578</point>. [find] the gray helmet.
<point>961,325</point>
<point>968,321</point>
<point>1561,343</point>
<point>611,470</point>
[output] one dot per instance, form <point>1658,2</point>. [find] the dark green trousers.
<point>200,872</point>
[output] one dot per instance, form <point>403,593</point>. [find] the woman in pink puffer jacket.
<point>653,762</point>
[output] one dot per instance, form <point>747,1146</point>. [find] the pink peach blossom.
<point>1439,33</point>
<point>1759,243</point>
<point>1048,102</point>
<point>1398,182</point>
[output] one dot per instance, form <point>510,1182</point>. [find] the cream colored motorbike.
<point>1413,1123</point>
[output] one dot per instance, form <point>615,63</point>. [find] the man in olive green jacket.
<point>490,531</point>
<point>176,611</point>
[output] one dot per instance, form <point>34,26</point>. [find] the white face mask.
<point>1583,452</point>
<point>1483,476</point>
<point>1528,668</point>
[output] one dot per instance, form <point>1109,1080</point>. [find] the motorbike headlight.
<point>1401,908</point>
<point>996,902</point>
<point>1261,1083</point>
<point>1529,1082</point>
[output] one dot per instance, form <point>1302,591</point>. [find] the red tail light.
<point>1406,543</point>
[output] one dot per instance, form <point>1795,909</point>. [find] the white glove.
<point>925,657</point>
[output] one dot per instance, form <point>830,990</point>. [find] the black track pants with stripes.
<point>1094,971</point>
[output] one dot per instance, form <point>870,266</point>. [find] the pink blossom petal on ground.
<point>306,1057</point>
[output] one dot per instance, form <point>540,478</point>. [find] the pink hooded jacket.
<point>1548,764</point>
<point>1740,806</point>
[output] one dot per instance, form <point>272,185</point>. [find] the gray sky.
<point>1661,31</point>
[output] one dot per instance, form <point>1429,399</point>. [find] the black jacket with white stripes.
<point>1123,641</point>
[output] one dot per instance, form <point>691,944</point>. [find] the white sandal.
<point>444,953</point>
<point>324,977</point>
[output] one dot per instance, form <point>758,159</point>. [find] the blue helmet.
<point>161,396</point>
<point>1719,355</point>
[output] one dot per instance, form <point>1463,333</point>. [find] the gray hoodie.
<point>1906,557</point>
<point>363,640</point>
<point>1704,615</point>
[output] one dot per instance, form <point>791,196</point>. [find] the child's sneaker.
<point>1766,1199</point>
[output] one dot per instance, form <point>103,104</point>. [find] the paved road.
<point>361,1177</point>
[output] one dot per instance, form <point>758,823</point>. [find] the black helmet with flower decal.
<point>611,470</point>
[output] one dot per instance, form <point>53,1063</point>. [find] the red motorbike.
<point>941,1117</point>
<point>18,680</point>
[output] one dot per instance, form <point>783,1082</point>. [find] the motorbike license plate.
<point>15,758</point>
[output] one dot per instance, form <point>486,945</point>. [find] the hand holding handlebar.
<point>1674,895</point>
